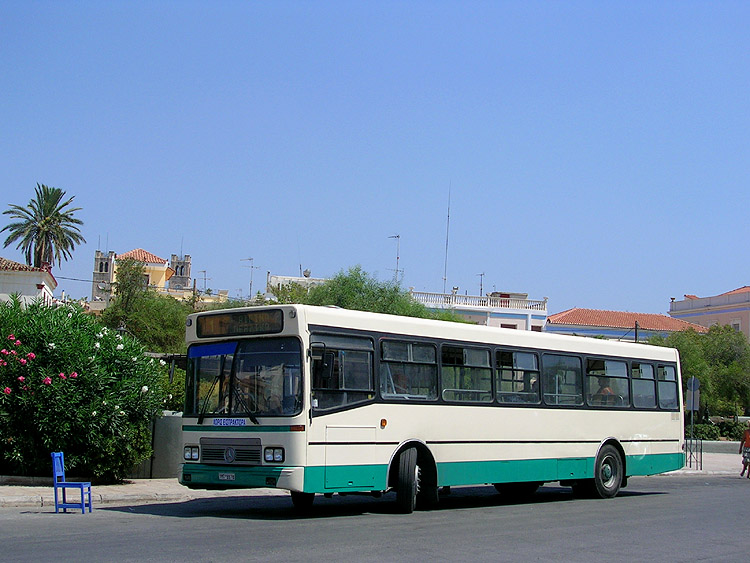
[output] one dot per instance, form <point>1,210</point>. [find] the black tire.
<point>428,496</point>
<point>517,491</point>
<point>302,501</point>
<point>407,486</point>
<point>608,472</point>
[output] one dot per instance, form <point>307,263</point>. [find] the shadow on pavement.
<point>280,507</point>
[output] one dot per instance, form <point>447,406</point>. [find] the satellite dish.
<point>306,273</point>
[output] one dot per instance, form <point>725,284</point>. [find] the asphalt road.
<point>664,518</point>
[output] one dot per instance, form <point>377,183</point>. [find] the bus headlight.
<point>273,455</point>
<point>192,453</point>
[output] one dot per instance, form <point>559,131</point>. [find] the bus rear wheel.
<point>407,486</point>
<point>608,472</point>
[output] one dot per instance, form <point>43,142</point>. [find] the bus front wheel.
<point>407,486</point>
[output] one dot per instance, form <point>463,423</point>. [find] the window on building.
<point>607,383</point>
<point>408,370</point>
<point>517,377</point>
<point>562,380</point>
<point>466,374</point>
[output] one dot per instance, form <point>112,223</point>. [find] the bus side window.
<point>466,374</point>
<point>517,377</point>
<point>667,387</point>
<point>644,386</point>
<point>323,369</point>
<point>408,370</point>
<point>341,371</point>
<point>562,380</point>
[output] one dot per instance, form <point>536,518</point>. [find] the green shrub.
<point>703,431</point>
<point>732,430</point>
<point>69,384</point>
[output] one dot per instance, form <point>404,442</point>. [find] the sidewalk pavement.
<point>144,491</point>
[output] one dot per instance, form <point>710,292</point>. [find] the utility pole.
<point>252,267</point>
<point>398,255</point>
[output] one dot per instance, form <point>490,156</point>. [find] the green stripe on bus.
<point>342,478</point>
<point>241,477</point>
<point>373,477</point>
<point>210,428</point>
<point>654,463</point>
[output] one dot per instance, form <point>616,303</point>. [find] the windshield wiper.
<point>204,408</point>
<point>238,398</point>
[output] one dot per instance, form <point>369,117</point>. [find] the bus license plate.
<point>226,476</point>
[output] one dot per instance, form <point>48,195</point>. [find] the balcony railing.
<point>450,300</point>
<point>709,302</point>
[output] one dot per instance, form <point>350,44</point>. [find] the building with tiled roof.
<point>170,278</point>
<point>616,325</point>
<point>28,282</point>
<point>142,256</point>
<point>157,272</point>
<point>729,308</point>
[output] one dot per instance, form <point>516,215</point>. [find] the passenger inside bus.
<point>604,395</point>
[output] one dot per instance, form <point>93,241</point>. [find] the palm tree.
<point>45,229</point>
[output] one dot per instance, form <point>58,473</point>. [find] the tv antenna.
<point>204,279</point>
<point>447,231</point>
<point>481,284</point>
<point>398,255</point>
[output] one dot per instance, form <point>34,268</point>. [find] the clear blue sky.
<point>596,153</point>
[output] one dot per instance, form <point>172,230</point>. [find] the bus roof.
<point>330,316</point>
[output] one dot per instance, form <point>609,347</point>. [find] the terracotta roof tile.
<point>142,256</point>
<point>621,319</point>
<point>6,265</point>
<point>11,266</point>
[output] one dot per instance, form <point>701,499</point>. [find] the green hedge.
<point>69,384</point>
<point>732,430</point>
<point>703,431</point>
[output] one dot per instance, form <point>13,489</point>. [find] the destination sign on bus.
<point>240,323</point>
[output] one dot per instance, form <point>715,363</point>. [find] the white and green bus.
<point>322,400</point>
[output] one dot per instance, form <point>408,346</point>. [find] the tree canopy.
<point>720,360</point>
<point>45,229</point>
<point>358,290</point>
<point>157,321</point>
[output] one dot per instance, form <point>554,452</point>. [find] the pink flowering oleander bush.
<point>69,384</point>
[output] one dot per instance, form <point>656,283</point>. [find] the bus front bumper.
<point>202,476</point>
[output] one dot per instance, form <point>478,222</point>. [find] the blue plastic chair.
<point>58,474</point>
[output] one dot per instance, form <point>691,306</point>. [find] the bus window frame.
<point>618,401</point>
<point>388,364</point>
<point>498,379</point>
<point>335,345</point>
<point>463,346</point>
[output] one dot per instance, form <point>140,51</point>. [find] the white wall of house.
<point>29,285</point>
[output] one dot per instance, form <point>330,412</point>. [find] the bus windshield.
<point>246,378</point>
